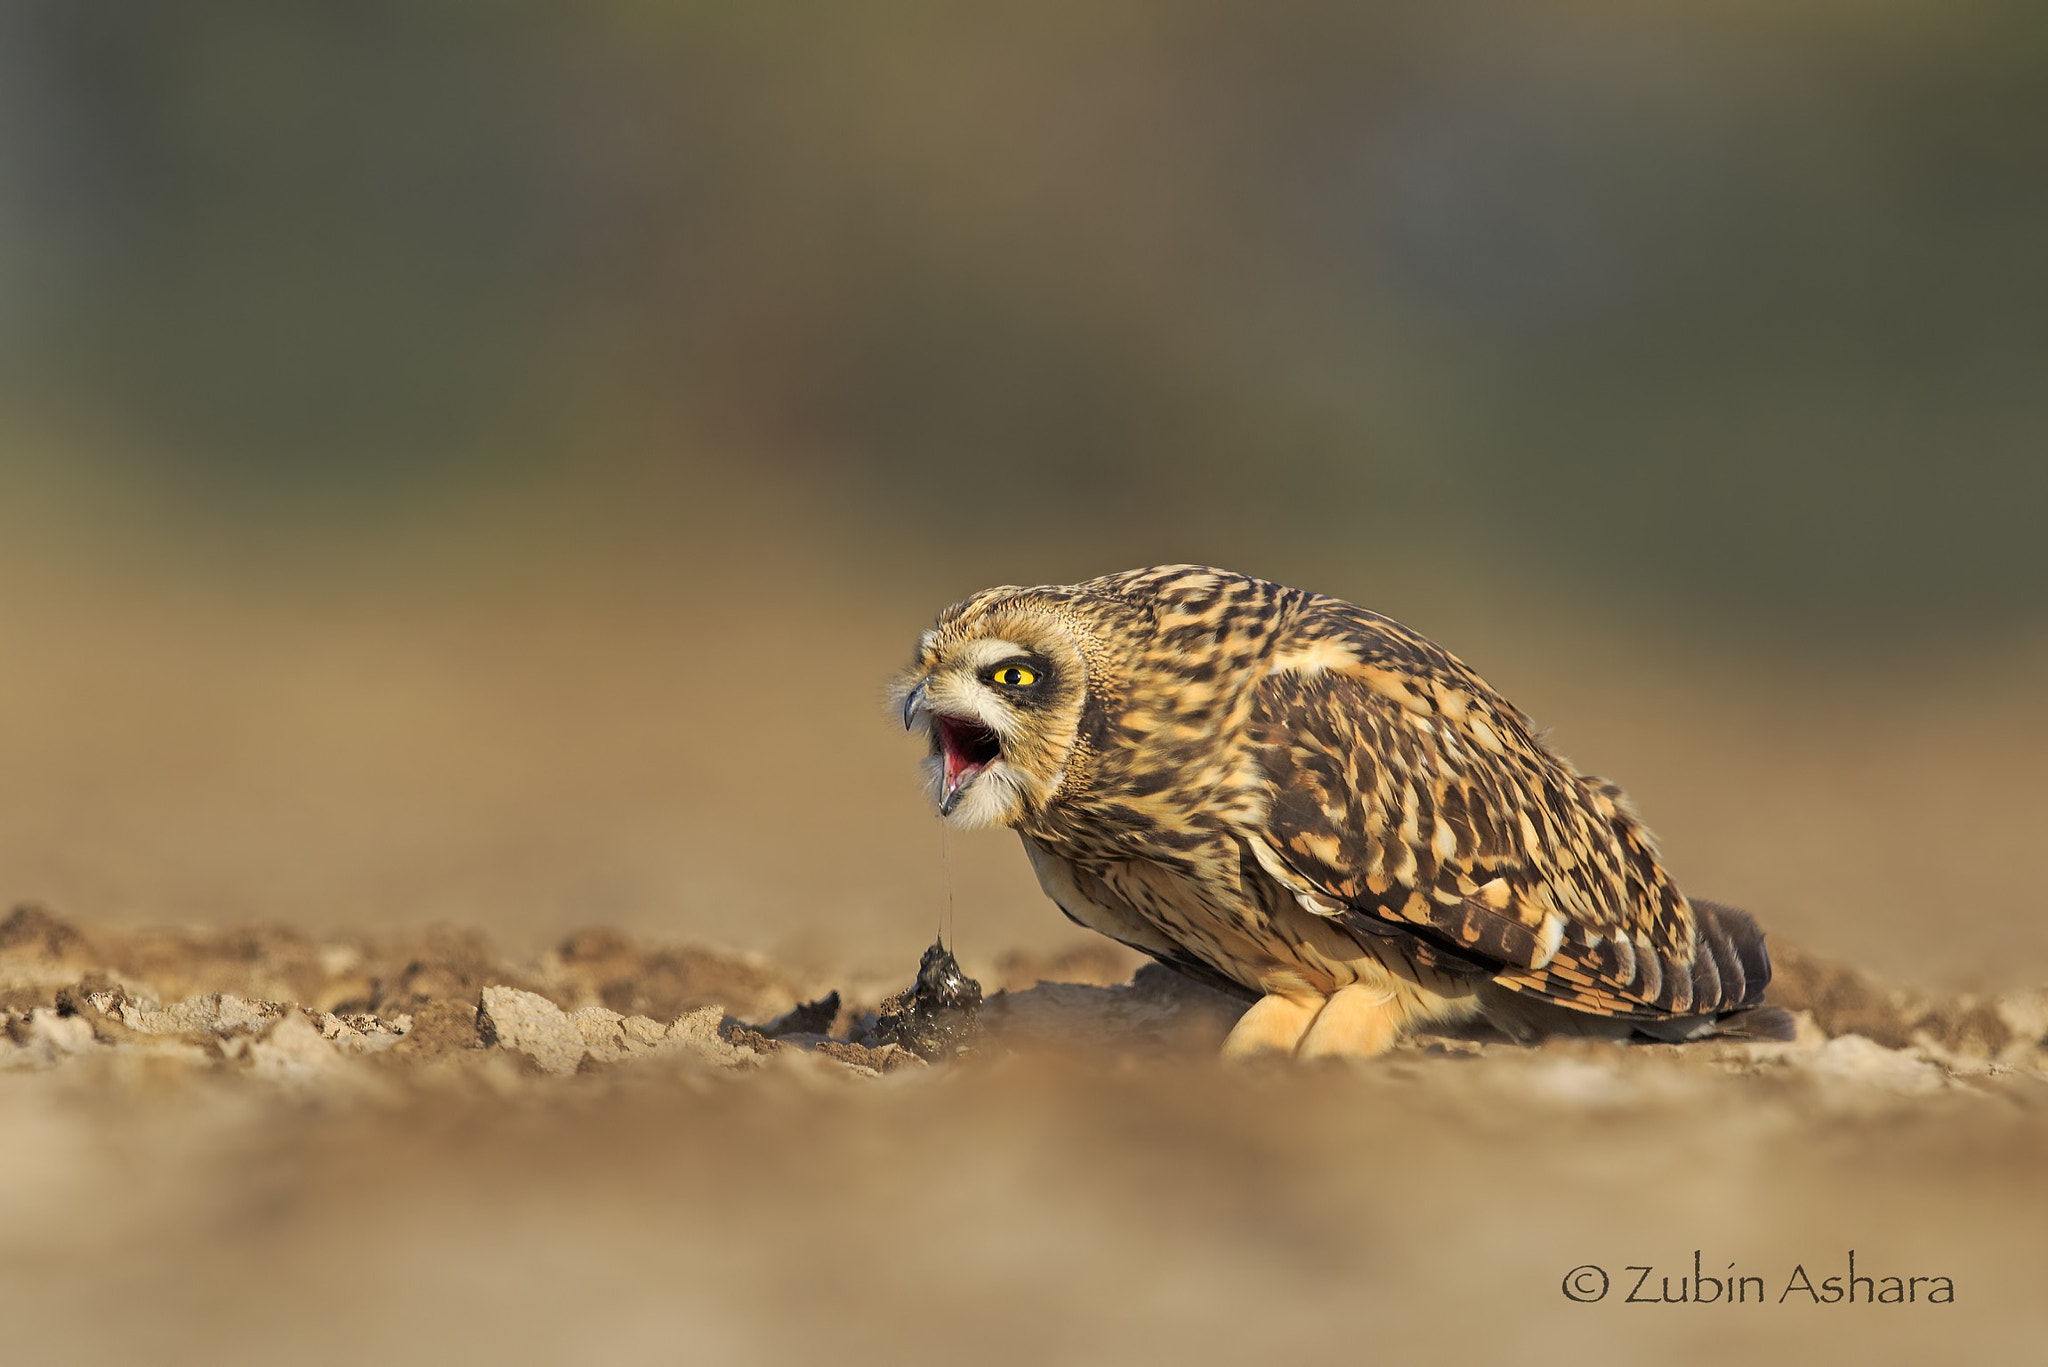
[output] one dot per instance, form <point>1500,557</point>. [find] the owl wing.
<point>1404,795</point>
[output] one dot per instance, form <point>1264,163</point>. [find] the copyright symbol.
<point>1585,1283</point>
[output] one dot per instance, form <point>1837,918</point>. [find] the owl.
<point>1308,804</point>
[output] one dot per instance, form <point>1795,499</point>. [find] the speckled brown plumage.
<point>1285,792</point>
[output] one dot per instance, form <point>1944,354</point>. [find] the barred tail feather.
<point>1611,975</point>
<point>1731,967</point>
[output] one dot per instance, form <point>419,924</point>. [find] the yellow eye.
<point>1015,676</point>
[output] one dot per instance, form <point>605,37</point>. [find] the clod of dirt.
<point>530,1024</point>
<point>938,1018</point>
<point>600,965</point>
<point>885,1059</point>
<point>45,1037</point>
<point>217,1013</point>
<point>559,1041</point>
<point>293,1051</point>
<point>1159,1008</point>
<point>811,1018</point>
<point>31,928</point>
<point>440,1028</point>
<point>1844,1002</point>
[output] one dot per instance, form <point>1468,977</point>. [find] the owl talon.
<point>1273,1025</point>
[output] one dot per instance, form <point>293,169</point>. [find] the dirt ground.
<point>322,1132</point>
<point>262,1144</point>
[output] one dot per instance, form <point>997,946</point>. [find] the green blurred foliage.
<point>1736,310</point>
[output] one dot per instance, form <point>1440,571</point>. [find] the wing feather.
<point>1402,791</point>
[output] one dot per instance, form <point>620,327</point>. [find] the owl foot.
<point>1274,1025</point>
<point>1357,1022</point>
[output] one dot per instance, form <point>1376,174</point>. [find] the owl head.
<point>1008,685</point>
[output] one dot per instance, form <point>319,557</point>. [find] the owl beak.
<point>912,706</point>
<point>950,798</point>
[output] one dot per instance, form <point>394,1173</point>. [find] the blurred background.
<point>483,465</point>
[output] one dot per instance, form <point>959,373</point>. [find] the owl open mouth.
<point>967,747</point>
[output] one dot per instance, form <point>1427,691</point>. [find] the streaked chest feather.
<point>1242,924</point>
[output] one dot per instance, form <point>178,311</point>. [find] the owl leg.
<point>1273,1025</point>
<point>1359,1021</point>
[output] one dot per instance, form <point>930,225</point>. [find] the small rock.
<point>293,1051</point>
<point>529,1023</point>
<point>232,1011</point>
<point>358,1034</point>
<point>213,1014</point>
<point>642,1032</point>
<point>698,1033</point>
<point>602,1033</point>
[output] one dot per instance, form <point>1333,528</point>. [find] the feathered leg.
<point>1359,1021</point>
<point>1273,1025</point>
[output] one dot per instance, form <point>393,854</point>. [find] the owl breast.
<point>1223,921</point>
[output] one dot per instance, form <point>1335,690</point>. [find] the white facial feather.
<point>994,797</point>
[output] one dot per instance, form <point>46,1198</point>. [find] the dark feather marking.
<point>1094,722</point>
<point>1149,784</point>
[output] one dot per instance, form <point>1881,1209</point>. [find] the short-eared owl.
<point>1292,796</point>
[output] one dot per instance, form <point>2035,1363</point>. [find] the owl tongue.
<point>969,748</point>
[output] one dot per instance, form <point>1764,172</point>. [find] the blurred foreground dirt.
<point>259,1144</point>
